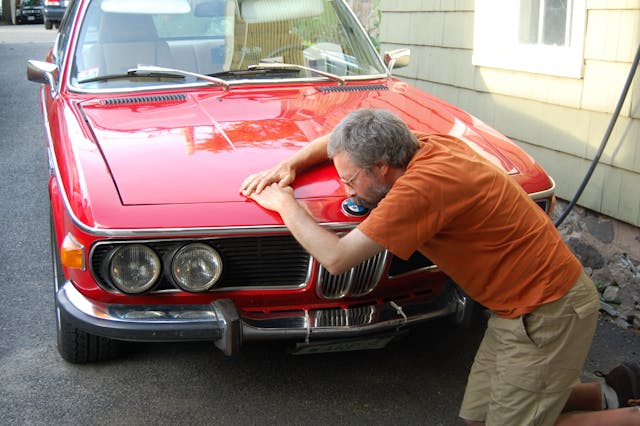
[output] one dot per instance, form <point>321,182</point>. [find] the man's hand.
<point>282,174</point>
<point>285,173</point>
<point>336,254</point>
<point>274,197</point>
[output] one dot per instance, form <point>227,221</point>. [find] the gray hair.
<point>371,136</point>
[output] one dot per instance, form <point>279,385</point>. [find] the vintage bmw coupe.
<point>156,110</point>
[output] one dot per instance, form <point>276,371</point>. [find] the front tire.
<point>75,345</point>
<point>79,347</point>
<point>48,24</point>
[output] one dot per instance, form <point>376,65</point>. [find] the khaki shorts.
<point>525,367</point>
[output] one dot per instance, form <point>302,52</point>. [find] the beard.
<point>373,195</point>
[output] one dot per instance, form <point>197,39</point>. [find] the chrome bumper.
<point>221,323</point>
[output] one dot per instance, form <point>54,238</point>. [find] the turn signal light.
<point>72,253</point>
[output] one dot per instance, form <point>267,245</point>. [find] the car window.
<point>193,25</point>
<point>31,3</point>
<point>66,26</point>
<point>219,36</point>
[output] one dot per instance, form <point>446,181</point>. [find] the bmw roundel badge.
<point>352,209</point>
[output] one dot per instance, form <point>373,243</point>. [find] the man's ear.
<point>383,168</point>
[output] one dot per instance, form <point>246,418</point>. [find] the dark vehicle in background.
<point>29,11</point>
<point>53,12</point>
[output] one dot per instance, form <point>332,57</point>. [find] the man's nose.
<point>350,191</point>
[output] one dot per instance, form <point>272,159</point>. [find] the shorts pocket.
<point>543,330</point>
<point>543,379</point>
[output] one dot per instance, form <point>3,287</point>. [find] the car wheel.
<point>79,347</point>
<point>48,24</point>
<point>75,345</point>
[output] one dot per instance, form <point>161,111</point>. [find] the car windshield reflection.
<point>316,39</point>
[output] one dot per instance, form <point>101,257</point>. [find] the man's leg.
<point>621,388</point>
<point>511,381</point>
<point>585,397</point>
<point>536,361</point>
<point>586,404</point>
<point>628,416</point>
<point>477,395</point>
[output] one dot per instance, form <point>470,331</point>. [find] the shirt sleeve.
<point>404,219</point>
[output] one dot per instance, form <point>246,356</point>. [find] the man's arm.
<point>336,254</point>
<point>285,172</point>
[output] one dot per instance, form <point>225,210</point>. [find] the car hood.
<point>188,147</point>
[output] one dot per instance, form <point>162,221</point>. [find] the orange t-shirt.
<point>478,225</point>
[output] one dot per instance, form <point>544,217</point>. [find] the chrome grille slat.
<point>333,286</point>
<point>355,316</point>
<point>358,281</point>
<point>369,274</point>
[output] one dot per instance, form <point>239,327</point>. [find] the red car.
<point>155,112</point>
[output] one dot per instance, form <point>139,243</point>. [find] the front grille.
<point>248,262</point>
<point>267,262</point>
<point>359,315</point>
<point>358,281</point>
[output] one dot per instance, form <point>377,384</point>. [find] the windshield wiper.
<point>279,66</point>
<point>134,72</point>
<point>250,73</point>
<point>159,72</point>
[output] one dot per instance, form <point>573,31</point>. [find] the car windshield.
<point>229,39</point>
<point>31,3</point>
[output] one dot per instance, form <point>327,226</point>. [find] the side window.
<point>61,47</point>
<point>538,36</point>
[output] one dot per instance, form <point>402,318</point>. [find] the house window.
<point>545,22</point>
<point>538,36</point>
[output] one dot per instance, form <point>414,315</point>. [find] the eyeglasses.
<point>352,179</point>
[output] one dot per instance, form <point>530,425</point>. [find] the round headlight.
<point>196,267</point>
<point>134,268</point>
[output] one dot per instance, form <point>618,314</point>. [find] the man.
<point>485,232</point>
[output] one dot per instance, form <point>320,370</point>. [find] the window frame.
<point>498,46</point>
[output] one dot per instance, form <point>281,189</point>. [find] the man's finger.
<point>286,181</point>
<point>254,183</point>
<point>262,184</point>
<point>247,184</point>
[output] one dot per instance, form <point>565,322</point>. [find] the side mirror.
<point>42,72</point>
<point>397,58</point>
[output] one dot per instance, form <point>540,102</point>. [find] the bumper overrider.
<point>221,323</point>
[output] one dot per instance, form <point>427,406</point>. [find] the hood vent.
<point>352,88</point>
<point>145,99</point>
